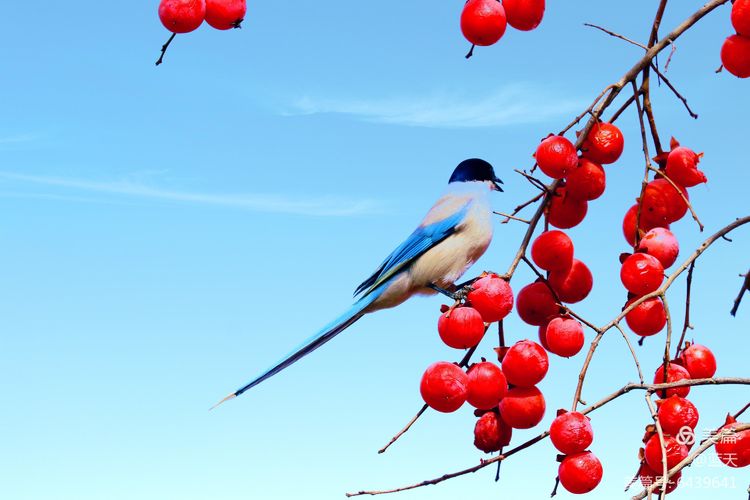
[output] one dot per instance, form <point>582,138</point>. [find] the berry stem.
<point>164,49</point>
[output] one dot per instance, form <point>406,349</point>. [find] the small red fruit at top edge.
<point>675,373</point>
<point>648,476</point>
<point>741,17</point>
<point>580,473</point>
<point>536,304</point>
<point>676,452</point>
<point>662,203</point>
<point>587,181</point>
<point>523,407</point>
<point>646,224</point>
<point>225,14</point>
<point>182,16</point>
<point>553,251</point>
<point>647,318</point>
<point>487,385</point>
<point>641,273</point>
<point>556,156</point>
<point>734,449</point>
<point>675,413</point>
<point>492,297</point>
<point>564,336</point>
<point>524,15</point>
<point>461,327</point>
<point>682,167</point>
<point>565,211</point>
<point>571,432</point>
<point>525,364</point>
<point>735,55</point>
<point>483,22</point>
<point>603,144</point>
<point>699,361</point>
<point>572,285</point>
<point>491,433</point>
<point>662,244</point>
<point>444,386</point>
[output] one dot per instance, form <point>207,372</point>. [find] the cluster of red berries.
<point>483,22</point>
<point>184,16</point>
<point>571,433</point>
<point>735,53</point>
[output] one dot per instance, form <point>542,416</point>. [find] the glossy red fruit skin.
<point>676,452</point>
<point>675,413</point>
<point>491,433</point>
<point>492,297</point>
<point>587,181</point>
<point>564,337</point>
<point>735,55</point>
<point>699,361</point>
<point>675,373</point>
<point>524,15</point>
<point>641,273</point>
<point>553,251</point>
<point>556,156</point>
<point>734,451</point>
<point>182,16</point>
<point>444,386</point>
<point>525,364</point>
<point>487,385</point>
<point>483,22</point>
<point>573,285</point>
<point>535,304</point>
<point>604,144</point>
<point>225,14</point>
<point>682,167</point>
<point>580,473</point>
<point>647,318</point>
<point>523,407</point>
<point>571,433</point>
<point>741,17</point>
<point>543,335</point>
<point>628,224</point>
<point>461,327</point>
<point>662,203</point>
<point>662,244</point>
<point>648,476</point>
<point>564,211</point>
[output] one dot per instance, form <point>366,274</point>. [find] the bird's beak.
<point>497,183</point>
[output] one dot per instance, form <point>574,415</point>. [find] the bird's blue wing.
<point>421,240</point>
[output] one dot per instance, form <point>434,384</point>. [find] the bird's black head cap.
<point>475,169</point>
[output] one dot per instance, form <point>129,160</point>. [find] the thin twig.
<point>164,49</point>
<point>686,325</point>
<point>616,35</point>
<point>511,217</point>
<point>745,288</point>
<point>675,91</point>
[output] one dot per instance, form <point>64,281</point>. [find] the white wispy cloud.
<point>258,202</point>
<point>509,105</point>
<point>16,139</point>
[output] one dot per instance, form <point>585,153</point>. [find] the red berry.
<point>675,413</point>
<point>662,244</point>
<point>699,361</point>
<point>735,55</point>
<point>571,432</point>
<point>648,476</point>
<point>225,14</point>
<point>564,211</point>
<point>461,327</point>
<point>491,433</point>
<point>740,17</point>
<point>734,449</point>
<point>662,203</point>
<point>524,15</point>
<point>587,181</point>
<point>444,386</point>
<point>525,364</point>
<point>676,452</point>
<point>536,304</point>
<point>182,16</point>
<point>682,167</point>
<point>641,273</point>
<point>487,385</point>
<point>492,297</point>
<point>603,144</point>
<point>572,285</point>
<point>483,22</point>
<point>556,156</point>
<point>646,224</point>
<point>553,251</point>
<point>564,336</point>
<point>523,407</point>
<point>647,318</point>
<point>580,473</point>
<point>675,373</point>
<point>543,336</point>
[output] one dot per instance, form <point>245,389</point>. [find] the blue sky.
<point>167,232</point>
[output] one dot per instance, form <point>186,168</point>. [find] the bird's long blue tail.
<point>321,337</point>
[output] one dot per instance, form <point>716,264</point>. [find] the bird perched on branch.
<point>452,236</point>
